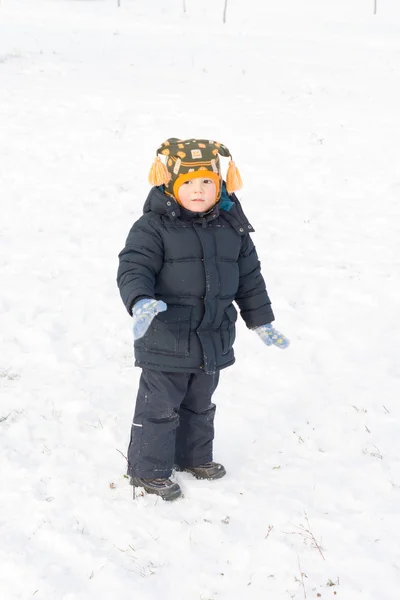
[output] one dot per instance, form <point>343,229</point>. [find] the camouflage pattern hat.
<point>187,159</point>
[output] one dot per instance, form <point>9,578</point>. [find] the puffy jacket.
<point>199,264</point>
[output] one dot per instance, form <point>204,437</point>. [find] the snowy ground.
<point>306,95</point>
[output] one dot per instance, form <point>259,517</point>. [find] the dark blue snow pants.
<point>173,422</point>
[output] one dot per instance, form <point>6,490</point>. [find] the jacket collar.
<point>236,217</point>
<point>228,208</point>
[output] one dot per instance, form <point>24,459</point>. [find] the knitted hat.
<point>188,159</point>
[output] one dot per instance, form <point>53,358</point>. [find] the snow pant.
<point>173,422</point>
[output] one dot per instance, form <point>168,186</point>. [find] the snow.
<point>306,97</point>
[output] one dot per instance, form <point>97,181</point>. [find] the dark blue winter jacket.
<point>198,264</point>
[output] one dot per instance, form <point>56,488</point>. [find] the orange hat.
<point>187,159</point>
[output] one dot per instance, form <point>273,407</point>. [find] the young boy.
<point>186,259</point>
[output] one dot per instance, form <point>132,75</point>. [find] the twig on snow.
<point>376,454</point>
<point>307,534</point>
<point>301,580</point>
<point>270,528</point>
<point>225,9</point>
<point>122,454</point>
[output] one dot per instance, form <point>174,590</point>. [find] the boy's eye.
<point>190,181</point>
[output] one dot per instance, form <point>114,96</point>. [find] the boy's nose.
<point>198,186</point>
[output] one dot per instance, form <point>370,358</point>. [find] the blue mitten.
<point>270,336</point>
<point>143,313</point>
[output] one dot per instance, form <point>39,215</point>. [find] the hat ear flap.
<point>233,179</point>
<point>159,174</point>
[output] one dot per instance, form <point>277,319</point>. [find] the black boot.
<point>209,470</point>
<point>161,486</point>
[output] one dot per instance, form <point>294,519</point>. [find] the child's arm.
<point>252,297</point>
<point>139,263</point>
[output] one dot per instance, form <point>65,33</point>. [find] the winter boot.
<point>161,486</point>
<point>209,470</point>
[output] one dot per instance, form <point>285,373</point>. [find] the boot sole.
<point>217,475</point>
<point>167,495</point>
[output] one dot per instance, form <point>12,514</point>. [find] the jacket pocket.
<point>169,332</point>
<point>228,329</point>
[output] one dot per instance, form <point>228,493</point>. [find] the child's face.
<point>197,195</point>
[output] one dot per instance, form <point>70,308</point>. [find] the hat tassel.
<point>158,173</point>
<point>233,178</point>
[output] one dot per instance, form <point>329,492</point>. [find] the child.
<point>186,259</point>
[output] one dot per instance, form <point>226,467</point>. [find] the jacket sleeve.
<point>252,297</point>
<point>139,263</point>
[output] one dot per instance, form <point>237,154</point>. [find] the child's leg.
<point>194,437</point>
<point>152,446</point>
